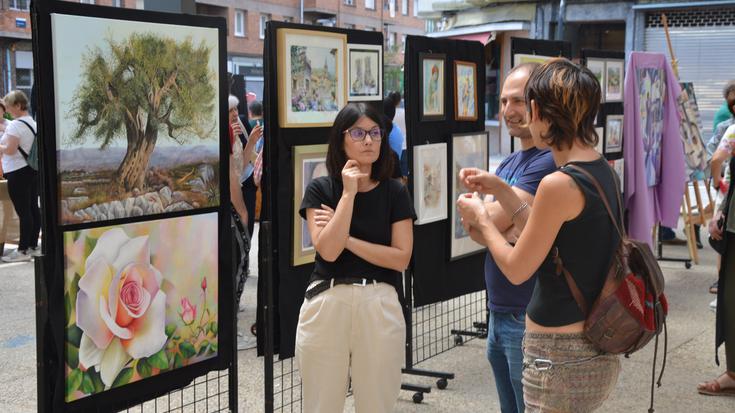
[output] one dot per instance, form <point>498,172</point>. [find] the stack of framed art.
<point>445,113</point>
<point>319,70</point>
<point>608,68</point>
<point>135,280</point>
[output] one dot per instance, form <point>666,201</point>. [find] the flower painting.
<point>141,300</point>
<point>311,77</point>
<point>651,91</point>
<point>432,86</point>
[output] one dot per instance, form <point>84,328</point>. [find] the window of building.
<point>391,41</point>
<point>403,43</point>
<point>18,4</point>
<point>349,2</point>
<point>349,26</point>
<point>430,26</point>
<point>415,8</point>
<point>263,20</point>
<point>370,4</point>
<point>24,80</point>
<point>87,1</point>
<point>240,23</point>
<point>288,19</point>
<point>404,7</point>
<point>118,3</point>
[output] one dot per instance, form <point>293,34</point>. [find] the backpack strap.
<point>22,152</point>
<point>576,292</point>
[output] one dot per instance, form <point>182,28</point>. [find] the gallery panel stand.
<point>134,290</point>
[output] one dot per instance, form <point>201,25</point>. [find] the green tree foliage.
<point>141,86</point>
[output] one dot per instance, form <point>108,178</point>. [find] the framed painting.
<point>468,150</point>
<point>520,58</point>
<point>310,162</point>
<point>597,67</point>
<point>142,300</point>
<point>431,79</point>
<point>465,90</point>
<point>600,140</point>
<point>613,134</point>
<point>365,68</point>
<point>614,80</point>
<point>430,182</point>
<point>312,77</point>
<point>111,166</point>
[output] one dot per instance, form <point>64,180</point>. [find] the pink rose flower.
<point>120,306</point>
<point>188,311</point>
<point>204,283</point>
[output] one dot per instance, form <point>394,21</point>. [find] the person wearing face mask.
<point>521,173</point>
<point>351,323</point>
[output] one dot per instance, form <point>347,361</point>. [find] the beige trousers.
<point>351,331</point>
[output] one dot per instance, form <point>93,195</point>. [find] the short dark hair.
<point>336,156</point>
<point>568,97</point>
<point>389,108</point>
<point>728,89</point>
<point>731,105</point>
<point>395,97</point>
<point>256,108</point>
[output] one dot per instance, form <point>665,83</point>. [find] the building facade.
<point>16,56</point>
<point>701,33</point>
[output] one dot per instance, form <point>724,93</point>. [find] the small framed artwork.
<point>468,150</point>
<point>600,140</point>
<point>310,162</point>
<point>619,168</point>
<point>597,67</point>
<point>365,69</point>
<point>520,58</point>
<point>614,80</point>
<point>312,77</point>
<point>430,182</point>
<point>431,78</point>
<point>613,134</point>
<point>465,90</point>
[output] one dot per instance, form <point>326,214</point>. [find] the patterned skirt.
<point>566,373</point>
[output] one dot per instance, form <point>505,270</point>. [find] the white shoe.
<point>713,305</point>
<point>17,256</point>
<point>35,252</point>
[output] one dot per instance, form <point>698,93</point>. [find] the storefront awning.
<point>483,38</point>
<point>481,33</point>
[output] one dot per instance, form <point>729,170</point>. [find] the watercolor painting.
<point>432,86</point>
<point>614,131</point>
<point>468,150</point>
<point>310,162</point>
<point>141,299</point>
<point>430,182</point>
<point>366,72</point>
<point>614,81</point>
<point>651,84</point>
<point>597,67</point>
<point>465,90</point>
<point>137,118</point>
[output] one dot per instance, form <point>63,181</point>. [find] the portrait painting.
<point>312,77</point>
<point>613,90</point>
<point>365,72</point>
<point>597,67</point>
<point>430,182</point>
<point>465,90</point>
<point>137,118</point>
<point>141,300</point>
<point>468,150</point>
<point>691,133</point>
<point>432,85</point>
<point>651,85</point>
<point>613,134</point>
<point>310,162</point>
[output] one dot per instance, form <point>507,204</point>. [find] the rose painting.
<point>141,300</point>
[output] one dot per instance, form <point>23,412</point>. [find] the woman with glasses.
<point>351,323</point>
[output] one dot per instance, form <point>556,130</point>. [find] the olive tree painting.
<point>141,299</point>
<point>136,118</point>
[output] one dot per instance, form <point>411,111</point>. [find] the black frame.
<point>50,316</point>
<point>617,154</point>
<point>355,47</point>
<point>607,108</point>
<point>443,58</point>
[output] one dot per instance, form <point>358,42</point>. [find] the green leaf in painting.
<point>67,306</point>
<point>213,346</point>
<point>203,347</point>
<point>89,244</point>
<point>213,327</point>
<point>187,349</point>
<point>158,360</point>
<point>73,380</point>
<point>123,377</point>
<point>170,329</point>
<point>74,335</point>
<point>72,356</point>
<point>74,288</point>
<point>88,384</point>
<point>178,361</point>
<point>94,375</point>
<point>144,369</point>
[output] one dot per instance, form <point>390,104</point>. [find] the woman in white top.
<point>22,179</point>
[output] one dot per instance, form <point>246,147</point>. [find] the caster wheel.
<point>418,397</point>
<point>458,340</point>
<point>687,265</point>
<point>254,329</point>
<point>441,384</point>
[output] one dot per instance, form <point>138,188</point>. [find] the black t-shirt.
<point>373,214</point>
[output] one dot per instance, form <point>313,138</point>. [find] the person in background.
<point>723,113</point>
<point>723,120</point>
<point>3,125</point>
<point>562,100</point>
<point>351,324</point>
<point>15,145</point>
<point>249,189</point>
<point>395,136</point>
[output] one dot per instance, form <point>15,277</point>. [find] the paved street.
<point>690,356</point>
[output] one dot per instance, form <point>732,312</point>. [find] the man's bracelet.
<point>523,206</point>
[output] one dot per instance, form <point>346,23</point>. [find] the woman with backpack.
<point>569,224</point>
<point>15,145</point>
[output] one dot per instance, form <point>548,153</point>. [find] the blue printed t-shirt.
<point>523,170</point>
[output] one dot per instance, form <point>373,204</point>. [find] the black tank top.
<point>586,245</point>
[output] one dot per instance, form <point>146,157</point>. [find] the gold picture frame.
<point>321,81</point>
<point>309,162</point>
<point>465,95</point>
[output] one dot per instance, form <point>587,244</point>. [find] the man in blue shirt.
<point>507,303</point>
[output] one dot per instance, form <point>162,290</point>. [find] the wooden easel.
<point>703,214</point>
